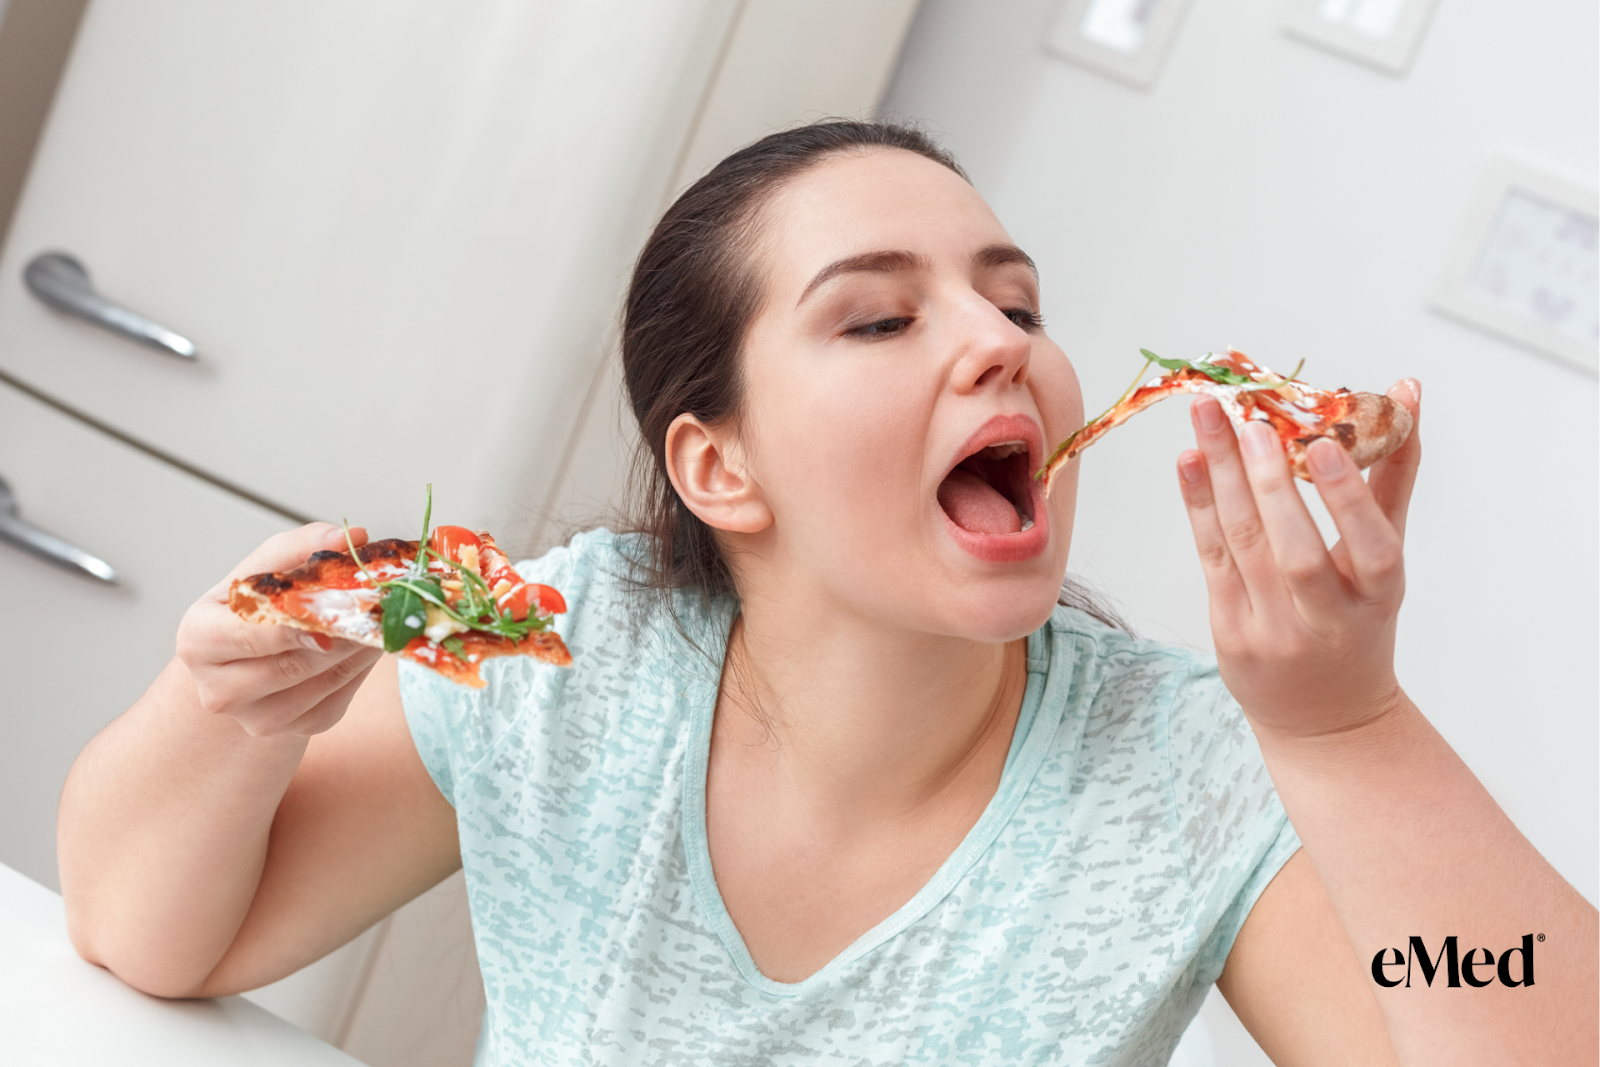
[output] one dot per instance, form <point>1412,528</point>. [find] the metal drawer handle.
<point>63,283</point>
<point>30,538</point>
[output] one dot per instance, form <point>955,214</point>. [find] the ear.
<point>707,469</point>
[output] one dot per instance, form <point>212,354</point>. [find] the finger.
<point>292,547</point>
<point>1235,503</point>
<point>1226,587</point>
<point>278,712</point>
<point>1372,544</point>
<point>1302,559</point>
<point>211,633</point>
<point>1393,477</point>
<point>206,635</point>
<point>272,674</point>
<point>331,708</point>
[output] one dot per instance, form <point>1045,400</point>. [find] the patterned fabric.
<point>1081,921</point>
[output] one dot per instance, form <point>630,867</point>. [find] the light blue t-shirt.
<point>1081,921</point>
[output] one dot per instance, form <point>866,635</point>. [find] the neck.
<point>860,719</point>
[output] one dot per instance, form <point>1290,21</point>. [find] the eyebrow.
<point>1004,255</point>
<point>886,262</point>
<point>892,261</point>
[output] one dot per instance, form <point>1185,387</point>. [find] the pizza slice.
<point>1368,425</point>
<point>464,604</point>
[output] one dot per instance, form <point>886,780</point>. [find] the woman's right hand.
<point>208,844</point>
<point>274,681</point>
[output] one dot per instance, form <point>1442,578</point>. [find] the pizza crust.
<point>1372,428</point>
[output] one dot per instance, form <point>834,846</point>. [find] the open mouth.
<point>990,491</point>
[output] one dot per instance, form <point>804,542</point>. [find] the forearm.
<point>1408,843</point>
<point>163,834</point>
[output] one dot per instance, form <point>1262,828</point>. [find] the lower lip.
<point>1006,548</point>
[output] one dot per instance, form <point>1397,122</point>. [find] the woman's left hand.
<point>1304,634</point>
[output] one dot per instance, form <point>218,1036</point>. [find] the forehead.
<point>880,199</point>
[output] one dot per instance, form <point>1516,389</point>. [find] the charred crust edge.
<point>388,548</point>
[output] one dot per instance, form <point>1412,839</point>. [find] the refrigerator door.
<point>396,232</point>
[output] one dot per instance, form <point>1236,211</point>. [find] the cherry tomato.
<point>448,541</point>
<point>519,601</point>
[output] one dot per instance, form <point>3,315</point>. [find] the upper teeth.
<point>1002,449</point>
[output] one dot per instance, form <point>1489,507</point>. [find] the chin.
<point>1003,610</point>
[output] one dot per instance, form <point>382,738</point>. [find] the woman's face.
<point>900,394</point>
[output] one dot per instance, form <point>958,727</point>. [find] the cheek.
<point>1060,401</point>
<point>1056,391</point>
<point>839,456</point>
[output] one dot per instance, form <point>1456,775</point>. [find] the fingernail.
<point>1190,470</point>
<point>1416,389</point>
<point>314,642</point>
<point>1325,458</point>
<point>1210,414</point>
<point>1256,439</point>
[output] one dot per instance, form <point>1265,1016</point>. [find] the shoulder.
<point>616,620</point>
<point>594,566</point>
<point>1112,672</point>
<point>1130,702</point>
<point>1153,724</point>
<point>1176,689</point>
<point>456,728</point>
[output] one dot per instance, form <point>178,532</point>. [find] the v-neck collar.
<point>1029,744</point>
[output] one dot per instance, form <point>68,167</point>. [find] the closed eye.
<point>873,331</point>
<point>1030,321</point>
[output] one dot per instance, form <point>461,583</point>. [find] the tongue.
<point>973,504</point>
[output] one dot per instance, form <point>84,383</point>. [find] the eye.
<point>1030,321</point>
<point>873,331</point>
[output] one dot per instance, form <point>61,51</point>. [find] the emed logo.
<point>1456,966</point>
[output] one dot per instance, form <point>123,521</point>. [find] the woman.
<point>834,777</point>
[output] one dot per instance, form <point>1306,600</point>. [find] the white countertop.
<point>57,1009</point>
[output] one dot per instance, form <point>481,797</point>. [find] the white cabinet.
<point>395,230</point>
<point>74,652</point>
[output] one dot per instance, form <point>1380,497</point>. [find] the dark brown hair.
<point>694,292</point>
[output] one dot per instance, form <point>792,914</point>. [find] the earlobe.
<point>707,469</point>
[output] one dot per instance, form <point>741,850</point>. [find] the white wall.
<point>1294,204</point>
<point>782,63</point>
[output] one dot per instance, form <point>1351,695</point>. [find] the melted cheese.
<point>347,611</point>
<point>440,626</point>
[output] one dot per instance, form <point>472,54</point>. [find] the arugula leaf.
<point>1170,364</point>
<point>1221,375</point>
<point>404,616</point>
<point>420,564</point>
<point>427,588</point>
<point>405,600</point>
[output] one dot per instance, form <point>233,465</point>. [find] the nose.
<point>994,351</point>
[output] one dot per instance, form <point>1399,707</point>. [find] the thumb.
<point>1393,477</point>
